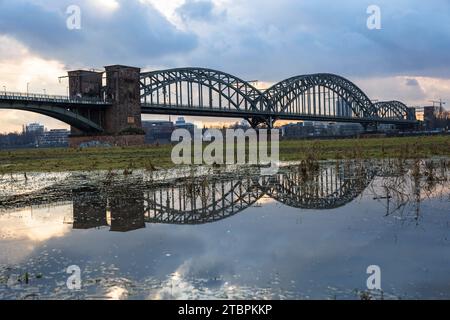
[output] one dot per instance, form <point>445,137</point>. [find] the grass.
<point>149,157</point>
<point>372,148</point>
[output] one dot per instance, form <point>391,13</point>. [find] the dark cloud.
<point>412,82</point>
<point>263,39</point>
<point>196,10</point>
<point>134,34</point>
<point>273,40</point>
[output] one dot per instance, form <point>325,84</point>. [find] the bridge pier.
<point>370,127</point>
<point>255,122</point>
<point>121,120</point>
<point>123,91</point>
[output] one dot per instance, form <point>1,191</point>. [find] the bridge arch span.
<point>321,94</point>
<point>394,110</point>
<point>186,87</point>
<point>59,113</point>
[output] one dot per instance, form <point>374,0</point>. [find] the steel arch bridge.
<point>212,93</point>
<point>317,97</point>
<point>394,110</point>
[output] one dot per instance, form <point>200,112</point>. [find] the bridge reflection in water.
<point>208,199</point>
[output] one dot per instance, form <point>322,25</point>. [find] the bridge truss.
<point>317,97</point>
<point>212,93</point>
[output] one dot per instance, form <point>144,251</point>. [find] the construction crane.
<point>440,103</point>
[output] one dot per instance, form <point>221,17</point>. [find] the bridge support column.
<point>257,121</point>
<point>364,125</point>
<point>121,121</point>
<point>123,91</point>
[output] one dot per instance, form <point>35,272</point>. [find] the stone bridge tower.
<point>121,120</point>
<point>86,84</point>
<point>123,91</point>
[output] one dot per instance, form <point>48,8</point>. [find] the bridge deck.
<point>50,99</point>
<point>148,108</point>
<point>35,102</point>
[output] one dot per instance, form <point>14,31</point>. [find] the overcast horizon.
<point>407,59</point>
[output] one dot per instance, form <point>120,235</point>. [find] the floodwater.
<point>308,232</point>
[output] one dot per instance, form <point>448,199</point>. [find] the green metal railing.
<point>5,95</point>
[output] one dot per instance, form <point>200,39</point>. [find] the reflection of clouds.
<point>406,189</point>
<point>179,287</point>
<point>272,252</point>
<point>36,224</point>
<point>437,192</point>
<point>264,200</point>
<point>116,293</point>
<point>176,287</point>
<point>186,283</point>
<point>22,230</point>
<point>209,266</point>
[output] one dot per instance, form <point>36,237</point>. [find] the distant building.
<point>182,124</point>
<point>180,121</point>
<point>320,129</point>
<point>158,131</point>
<point>436,118</point>
<point>297,130</point>
<point>33,132</point>
<point>386,127</point>
<point>55,138</point>
<point>34,128</point>
<point>349,129</point>
<point>412,113</point>
<point>244,125</point>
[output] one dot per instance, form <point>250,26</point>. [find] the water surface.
<point>309,232</point>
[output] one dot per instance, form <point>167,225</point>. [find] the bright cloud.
<point>24,67</point>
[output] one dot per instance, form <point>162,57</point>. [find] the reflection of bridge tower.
<point>89,209</point>
<point>127,209</point>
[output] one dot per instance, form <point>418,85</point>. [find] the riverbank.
<point>151,157</point>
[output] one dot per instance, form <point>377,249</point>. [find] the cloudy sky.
<point>408,59</point>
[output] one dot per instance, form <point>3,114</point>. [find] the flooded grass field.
<point>149,157</point>
<point>308,232</point>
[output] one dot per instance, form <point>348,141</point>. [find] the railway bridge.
<point>112,102</point>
